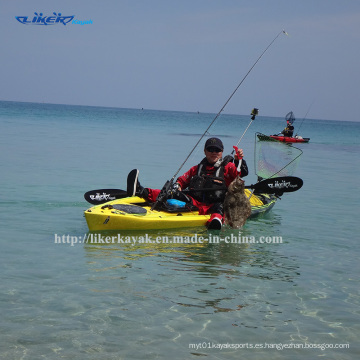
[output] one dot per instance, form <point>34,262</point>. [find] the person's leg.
<point>217,216</point>
<point>133,185</point>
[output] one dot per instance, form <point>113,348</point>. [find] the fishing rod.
<point>254,112</point>
<point>305,116</point>
<point>167,185</point>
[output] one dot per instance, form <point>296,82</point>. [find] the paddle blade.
<point>102,196</point>
<point>278,185</point>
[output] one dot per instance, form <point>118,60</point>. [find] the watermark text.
<point>93,238</point>
<point>279,346</point>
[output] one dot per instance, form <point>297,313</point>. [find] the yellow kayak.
<point>134,213</point>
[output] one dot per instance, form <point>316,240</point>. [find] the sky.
<point>186,55</point>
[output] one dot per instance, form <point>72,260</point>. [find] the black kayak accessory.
<point>163,195</point>
<point>276,186</point>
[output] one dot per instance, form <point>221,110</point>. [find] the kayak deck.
<point>134,213</point>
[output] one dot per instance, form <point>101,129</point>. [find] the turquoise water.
<point>117,301</point>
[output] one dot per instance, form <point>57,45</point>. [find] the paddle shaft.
<point>276,186</point>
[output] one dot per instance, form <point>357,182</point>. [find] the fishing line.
<point>227,101</point>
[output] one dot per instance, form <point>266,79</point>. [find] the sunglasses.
<point>213,149</point>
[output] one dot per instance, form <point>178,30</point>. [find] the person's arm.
<point>184,180</point>
<point>239,154</point>
<point>244,171</point>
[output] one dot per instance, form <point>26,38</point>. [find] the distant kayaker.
<point>213,173</point>
<point>289,130</point>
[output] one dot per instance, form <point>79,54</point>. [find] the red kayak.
<point>296,139</point>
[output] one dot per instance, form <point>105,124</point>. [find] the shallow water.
<point>118,301</point>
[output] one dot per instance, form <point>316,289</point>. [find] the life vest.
<point>212,181</point>
<point>288,131</point>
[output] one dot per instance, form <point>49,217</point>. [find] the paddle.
<point>102,196</point>
<point>276,186</point>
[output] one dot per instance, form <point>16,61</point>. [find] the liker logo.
<point>56,18</point>
<point>39,19</point>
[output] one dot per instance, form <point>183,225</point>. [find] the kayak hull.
<point>108,217</point>
<point>290,139</point>
<point>297,139</point>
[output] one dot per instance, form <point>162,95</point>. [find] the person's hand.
<point>175,188</point>
<point>239,153</point>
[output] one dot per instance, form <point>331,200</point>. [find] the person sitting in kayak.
<point>214,173</point>
<point>289,130</point>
